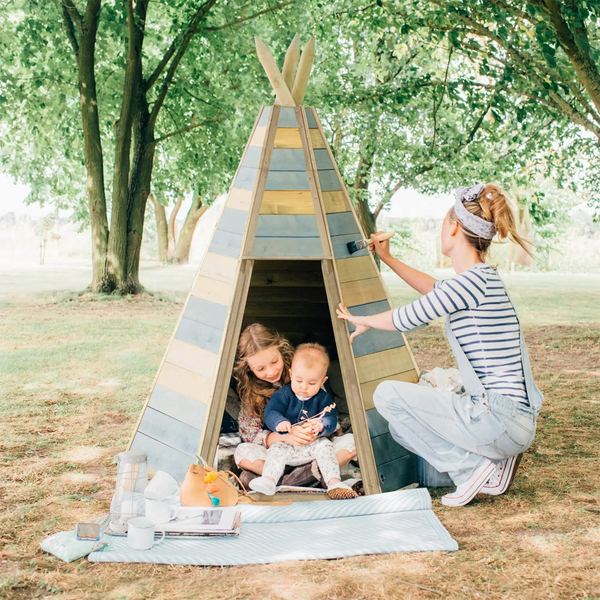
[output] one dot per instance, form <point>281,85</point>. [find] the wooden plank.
<point>273,294</point>
<point>358,417</point>
<point>178,406</point>
<point>368,389</point>
<point>329,181</point>
<point>335,202</point>
<point>162,457</point>
<point>355,268</point>
<point>217,266</point>
<point>287,226</point>
<point>185,382</point>
<point>239,199</point>
<point>377,424</point>
<point>205,311</point>
<point>316,140</point>
<point>286,159</point>
<point>362,291</point>
<point>288,265</point>
<point>292,247</point>
<point>170,431</point>
<point>263,120</point>
<point>233,220</point>
<point>387,449</point>
<point>339,244</point>
<point>258,137</point>
<point>293,308</point>
<point>375,341</point>
<point>245,178</point>
<point>287,137</point>
<point>398,473</point>
<point>343,223</point>
<point>279,278</point>
<point>286,325</point>
<point>226,243</point>
<point>287,118</point>
<point>199,334</point>
<point>322,160</point>
<point>252,157</point>
<point>287,203</point>
<point>383,364</point>
<point>194,359</point>
<point>310,119</point>
<point>287,180</point>
<point>212,289</point>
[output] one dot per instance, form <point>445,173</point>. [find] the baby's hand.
<point>316,426</point>
<point>284,426</point>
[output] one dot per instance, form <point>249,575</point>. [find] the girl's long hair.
<point>492,205</point>
<point>254,393</point>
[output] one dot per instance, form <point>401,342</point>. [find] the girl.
<point>476,438</point>
<point>262,367</point>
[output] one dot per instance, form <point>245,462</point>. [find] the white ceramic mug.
<point>140,533</point>
<point>160,511</point>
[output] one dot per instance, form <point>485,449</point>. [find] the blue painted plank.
<point>264,116</point>
<point>322,159</point>
<point>371,308</point>
<point>312,123</point>
<point>204,311</point>
<point>287,159</point>
<point>287,118</point>
<point>265,247</point>
<point>199,334</point>
<point>386,449</point>
<point>233,220</point>
<point>287,180</point>
<point>245,178</point>
<point>278,226</point>
<point>162,457</point>
<point>377,424</point>
<point>398,473</point>
<point>340,245</point>
<point>252,157</point>
<point>329,181</point>
<point>170,431</point>
<point>178,406</point>
<point>226,243</point>
<point>343,223</point>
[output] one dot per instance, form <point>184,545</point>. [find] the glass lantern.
<point>132,479</point>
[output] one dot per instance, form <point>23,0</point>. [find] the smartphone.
<point>89,532</point>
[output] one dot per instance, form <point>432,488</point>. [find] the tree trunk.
<point>184,244</point>
<point>161,228</point>
<point>171,230</point>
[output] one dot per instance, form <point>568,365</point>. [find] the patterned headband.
<point>477,225</point>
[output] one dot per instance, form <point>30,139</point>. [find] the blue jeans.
<point>455,434</point>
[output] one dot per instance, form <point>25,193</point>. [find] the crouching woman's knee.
<point>385,394</point>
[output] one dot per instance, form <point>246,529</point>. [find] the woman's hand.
<point>382,248</point>
<point>359,322</point>
<point>300,436</point>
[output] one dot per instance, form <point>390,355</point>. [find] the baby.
<point>303,401</point>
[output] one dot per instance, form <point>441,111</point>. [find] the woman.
<point>477,438</point>
<point>262,366</point>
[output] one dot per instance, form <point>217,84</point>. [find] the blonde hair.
<point>312,353</point>
<point>492,205</point>
<point>254,393</point>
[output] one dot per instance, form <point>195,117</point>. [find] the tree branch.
<point>187,128</point>
<point>73,13</point>
<point>436,108</point>
<point>70,29</point>
<point>249,18</point>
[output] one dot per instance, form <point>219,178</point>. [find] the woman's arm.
<point>418,280</point>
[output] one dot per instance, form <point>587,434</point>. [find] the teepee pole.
<point>291,62</point>
<point>284,97</point>
<point>304,69</point>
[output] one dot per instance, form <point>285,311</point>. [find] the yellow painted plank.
<point>383,364</point>
<point>190,357</point>
<point>259,136</point>
<point>353,269</point>
<point>212,290</point>
<point>315,139</point>
<point>284,202</point>
<point>288,137</point>
<point>367,389</point>
<point>362,291</point>
<point>217,266</point>
<point>185,382</point>
<point>239,199</point>
<point>335,202</point>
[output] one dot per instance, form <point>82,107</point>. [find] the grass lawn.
<point>74,374</point>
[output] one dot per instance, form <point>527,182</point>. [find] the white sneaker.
<point>263,485</point>
<point>500,481</point>
<point>341,491</point>
<point>465,492</point>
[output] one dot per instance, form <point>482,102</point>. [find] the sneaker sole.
<point>506,479</point>
<point>473,490</point>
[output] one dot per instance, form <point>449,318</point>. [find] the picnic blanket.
<point>400,521</point>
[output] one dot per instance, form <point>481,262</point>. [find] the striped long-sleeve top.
<point>484,322</point>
